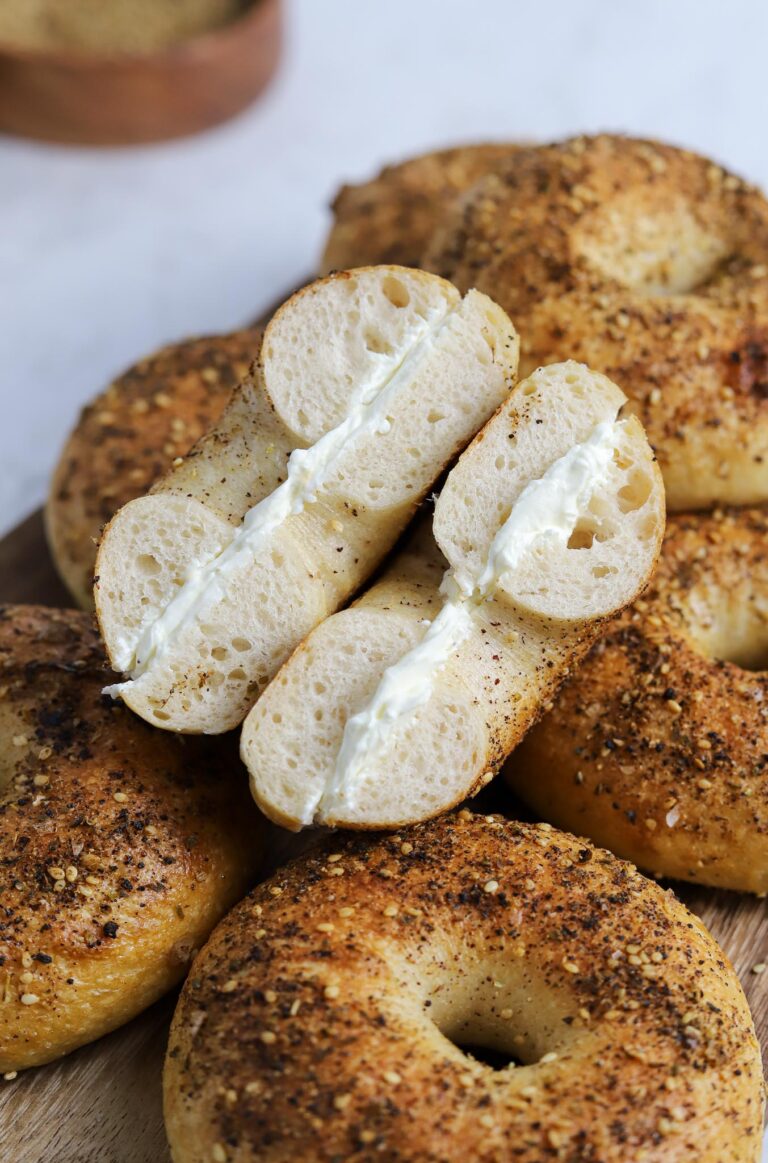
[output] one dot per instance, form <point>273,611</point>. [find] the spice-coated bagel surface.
<point>657,747</point>
<point>324,1018</point>
<point>392,217</point>
<point>120,846</point>
<point>647,263</point>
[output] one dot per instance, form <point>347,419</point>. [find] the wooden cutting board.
<point>102,1104</point>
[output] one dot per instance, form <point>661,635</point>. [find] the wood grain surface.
<point>102,1104</point>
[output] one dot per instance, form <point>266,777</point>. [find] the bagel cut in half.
<point>368,384</point>
<point>398,708</point>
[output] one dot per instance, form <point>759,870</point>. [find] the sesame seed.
<point>26,960</point>
<point>275,890</point>
<point>650,825</point>
<point>491,886</point>
<point>29,999</point>
<point>466,1080</point>
<point>367,1136</point>
<point>71,874</point>
<point>270,997</point>
<point>229,986</point>
<point>253,1088</point>
<point>341,1101</point>
<point>570,967</point>
<point>505,1015</point>
<point>120,797</point>
<point>759,968</point>
<point>704,784</point>
<point>392,1077</point>
<point>347,911</point>
<point>295,1007</point>
<point>529,1092</point>
<point>41,780</point>
<point>391,910</point>
<point>218,1154</point>
<point>260,933</point>
<point>550,1057</point>
<point>324,927</point>
<point>10,1075</point>
<point>26,977</point>
<point>268,1038</point>
<point>55,872</point>
<point>334,857</point>
<point>406,848</point>
<point>530,885</point>
<point>332,991</point>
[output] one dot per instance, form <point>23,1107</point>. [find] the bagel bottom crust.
<point>324,1018</point>
<point>120,846</point>
<point>657,746</point>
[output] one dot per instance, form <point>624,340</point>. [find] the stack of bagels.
<point>407,535</point>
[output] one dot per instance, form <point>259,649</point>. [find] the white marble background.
<point>105,255</point>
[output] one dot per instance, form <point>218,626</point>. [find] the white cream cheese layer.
<point>307,471</point>
<point>548,509</point>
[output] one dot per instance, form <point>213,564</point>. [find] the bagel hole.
<point>664,250</point>
<point>489,1055</point>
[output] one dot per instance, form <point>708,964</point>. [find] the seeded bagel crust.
<point>649,264</point>
<point>658,746</point>
<point>120,846</point>
<point>392,217</point>
<point>323,1020</point>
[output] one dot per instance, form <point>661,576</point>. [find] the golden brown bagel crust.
<point>658,746</point>
<point>647,263</point>
<point>120,846</point>
<point>129,436</point>
<point>391,218</point>
<point>309,1027</point>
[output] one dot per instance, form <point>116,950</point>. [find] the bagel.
<point>120,847</point>
<point>391,218</point>
<point>325,1018</point>
<point>400,707</point>
<point>369,383</point>
<point>130,435</point>
<point>650,264</point>
<point>658,746</point>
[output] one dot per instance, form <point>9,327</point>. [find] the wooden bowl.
<point>111,99</point>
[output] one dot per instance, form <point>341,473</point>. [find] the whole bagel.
<point>647,263</point>
<point>130,435</point>
<point>325,1018</point>
<point>657,747</point>
<point>392,217</point>
<point>120,846</point>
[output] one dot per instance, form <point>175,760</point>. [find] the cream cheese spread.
<point>307,471</point>
<point>548,509</point>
